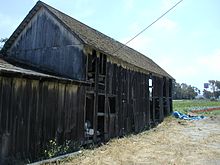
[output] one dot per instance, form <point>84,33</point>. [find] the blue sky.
<point>186,42</point>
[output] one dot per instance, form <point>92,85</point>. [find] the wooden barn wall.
<point>48,45</point>
<point>138,104</point>
<point>133,99</point>
<point>32,112</point>
<point>131,90</point>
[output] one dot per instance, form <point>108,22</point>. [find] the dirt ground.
<point>172,142</point>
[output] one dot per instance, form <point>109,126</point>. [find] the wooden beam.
<point>95,122</point>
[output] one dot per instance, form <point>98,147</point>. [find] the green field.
<point>185,106</point>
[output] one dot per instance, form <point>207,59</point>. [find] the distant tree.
<point>207,94</point>
<point>212,84</point>
<point>191,93</point>
<point>197,90</point>
<point>177,91</point>
<point>217,83</point>
<point>215,87</point>
<point>184,91</point>
<point>217,92</point>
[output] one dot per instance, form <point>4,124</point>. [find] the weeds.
<point>53,149</point>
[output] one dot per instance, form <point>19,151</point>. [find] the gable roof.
<point>94,39</point>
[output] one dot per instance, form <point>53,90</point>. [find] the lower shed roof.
<point>7,69</point>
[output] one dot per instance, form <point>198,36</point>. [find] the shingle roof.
<point>7,67</point>
<point>95,39</point>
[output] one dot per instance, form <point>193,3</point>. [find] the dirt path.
<point>172,142</point>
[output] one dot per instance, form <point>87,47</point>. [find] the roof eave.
<point>108,54</point>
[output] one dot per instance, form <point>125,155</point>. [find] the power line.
<point>148,26</point>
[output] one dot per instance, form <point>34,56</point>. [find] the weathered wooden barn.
<point>64,80</point>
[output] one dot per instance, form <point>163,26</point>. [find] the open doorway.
<point>150,84</point>
<point>101,116</point>
<point>89,115</point>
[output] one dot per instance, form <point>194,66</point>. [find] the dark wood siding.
<point>32,112</point>
<point>131,90</point>
<point>122,99</point>
<point>47,45</point>
<point>118,101</point>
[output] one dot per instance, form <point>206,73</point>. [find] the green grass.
<point>185,106</point>
<point>214,112</point>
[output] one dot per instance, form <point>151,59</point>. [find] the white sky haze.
<point>186,42</point>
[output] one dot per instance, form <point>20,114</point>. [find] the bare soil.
<point>172,142</point>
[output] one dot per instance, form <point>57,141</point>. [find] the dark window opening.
<point>101,116</point>
<point>112,104</point>
<point>91,66</point>
<point>100,128</point>
<point>102,71</point>
<point>91,63</point>
<point>101,104</point>
<point>102,64</point>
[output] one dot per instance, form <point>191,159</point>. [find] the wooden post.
<point>95,98</point>
<point>161,99</point>
<point>153,98</point>
<point>147,109</point>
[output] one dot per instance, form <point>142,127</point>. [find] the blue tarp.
<point>186,117</point>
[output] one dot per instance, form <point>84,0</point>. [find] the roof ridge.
<point>46,5</point>
<point>122,44</point>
